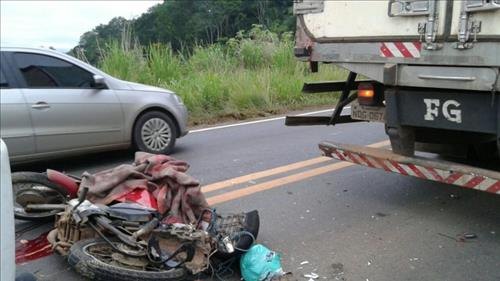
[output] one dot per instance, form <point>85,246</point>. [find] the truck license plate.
<point>370,113</point>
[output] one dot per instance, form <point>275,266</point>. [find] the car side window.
<point>41,71</point>
<point>3,80</point>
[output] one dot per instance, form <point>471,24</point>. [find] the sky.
<point>59,24</point>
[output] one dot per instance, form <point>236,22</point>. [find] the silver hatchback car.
<point>55,105</point>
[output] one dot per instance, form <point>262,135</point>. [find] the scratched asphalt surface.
<point>354,223</point>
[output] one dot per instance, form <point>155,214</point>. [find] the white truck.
<point>432,69</point>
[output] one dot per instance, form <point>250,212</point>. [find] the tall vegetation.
<point>252,74</point>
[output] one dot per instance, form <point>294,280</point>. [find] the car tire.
<point>155,132</point>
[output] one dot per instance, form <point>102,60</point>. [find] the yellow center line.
<point>262,174</point>
<point>231,195</point>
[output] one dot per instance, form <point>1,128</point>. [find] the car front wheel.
<point>155,132</point>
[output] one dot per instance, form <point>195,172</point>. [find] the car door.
<point>67,111</point>
<point>15,122</point>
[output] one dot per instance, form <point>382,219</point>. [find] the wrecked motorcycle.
<point>127,241</point>
<point>145,220</point>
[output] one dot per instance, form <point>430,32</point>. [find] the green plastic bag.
<point>260,264</point>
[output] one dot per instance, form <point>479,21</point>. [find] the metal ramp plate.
<point>416,166</point>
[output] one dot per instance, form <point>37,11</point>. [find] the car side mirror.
<point>99,82</point>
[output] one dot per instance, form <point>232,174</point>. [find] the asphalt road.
<point>352,223</point>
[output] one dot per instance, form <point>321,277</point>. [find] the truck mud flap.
<point>415,166</point>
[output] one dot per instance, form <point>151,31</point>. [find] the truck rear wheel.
<point>402,140</point>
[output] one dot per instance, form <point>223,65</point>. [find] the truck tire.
<point>402,140</point>
<point>93,268</point>
<point>155,132</point>
<point>24,183</point>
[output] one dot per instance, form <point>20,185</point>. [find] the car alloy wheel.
<point>156,134</point>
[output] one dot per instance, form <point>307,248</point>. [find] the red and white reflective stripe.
<point>467,180</point>
<point>400,49</point>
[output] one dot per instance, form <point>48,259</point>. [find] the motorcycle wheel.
<point>35,188</point>
<point>97,260</point>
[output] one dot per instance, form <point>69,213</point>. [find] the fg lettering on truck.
<point>433,70</point>
<point>450,109</point>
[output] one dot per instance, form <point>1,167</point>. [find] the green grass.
<point>254,74</point>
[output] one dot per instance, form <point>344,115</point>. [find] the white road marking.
<point>260,121</point>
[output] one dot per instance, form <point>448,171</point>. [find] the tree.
<point>186,23</point>
<point>91,42</point>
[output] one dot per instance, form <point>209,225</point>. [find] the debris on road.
<point>463,237</point>
<point>260,263</point>
<point>311,275</point>
<point>470,235</point>
<point>304,262</point>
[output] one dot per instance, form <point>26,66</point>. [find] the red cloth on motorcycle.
<point>178,194</point>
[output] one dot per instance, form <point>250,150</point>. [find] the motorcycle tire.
<point>24,181</point>
<point>93,268</point>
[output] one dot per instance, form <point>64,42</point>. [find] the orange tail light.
<point>366,94</point>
